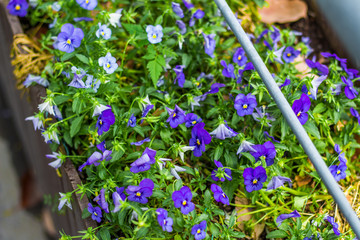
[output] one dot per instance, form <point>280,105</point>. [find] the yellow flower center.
<point>138,194</point>
<point>298,114</point>
<point>309,93</point>
<point>198,231</point>
<point>102,33</point>
<point>255,181</point>
<point>154,36</point>
<point>100,122</point>
<point>198,142</point>
<point>194,122</point>
<point>184,203</point>
<point>174,115</point>
<point>338,172</point>
<point>239,57</point>
<point>164,222</point>
<point>17,7</point>
<point>108,65</point>
<point>223,195</point>
<point>197,83</point>
<point>95,214</point>
<point>87,1</point>
<point>245,106</point>
<point>289,54</point>
<point>68,41</point>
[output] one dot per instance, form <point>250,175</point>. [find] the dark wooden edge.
<point>34,146</point>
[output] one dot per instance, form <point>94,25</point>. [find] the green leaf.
<point>311,128</point>
<point>249,156</point>
<point>299,202</point>
<point>76,125</point>
<point>207,198</point>
<point>155,69</point>
<point>214,230</point>
<point>159,20</point>
<point>61,99</point>
<point>218,152</point>
<point>82,58</point>
<point>237,234</point>
<point>104,234</point>
<point>67,56</point>
<point>85,214</point>
<point>319,108</point>
<point>133,28</point>
<point>277,234</point>
<point>165,135</point>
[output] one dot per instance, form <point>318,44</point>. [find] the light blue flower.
<point>223,131</point>
<point>92,83</point>
<point>56,6</point>
<point>108,63</point>
<point>154,33</point>
<point>103,31</point>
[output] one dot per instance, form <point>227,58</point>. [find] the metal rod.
<point>291,118</point>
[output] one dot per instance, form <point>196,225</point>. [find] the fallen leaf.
<point>283,11</point>
<point>301,181</point>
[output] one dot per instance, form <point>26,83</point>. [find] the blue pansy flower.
<point>198,230</point>
<point>143,163</point>
<point>142,192</point>
<point>228,70</point>
<point>245,104</point>
<point>118,198</point>
<point>350,91</point>
<point>219,194</point>
<point>18,7</point>
<point>277,182</point>
<point>335,226</point>
<point>198,14</point>
<point>290,54</point>
<point>210,44</point>
<point>96,158</point>
<point>164,221</point>
<point>77,81</point>
<point>176,116</point>
<point>154,33</point>
<point>139,143</point>
<point>132,121</point>
<point>105,120</point>
<point>254,178</point>
<point>338,171</point>
<point>300,107</point>
<point>284,216</point>
<point>355,113</point>
<point>188,4</point>
<point>224,131</point>
<point>87,4</point>
<point>100,199</point>
<point>69,38</point>
<point>192,119</point>
<point>199,138</point>
<point>181,26</point>
<point>108,63</point>
<point>95,212</point>
<point>265,151</point>
<point>182,200</point>
<point>177,9</point>
<point>93,83</point>
<point>180,76</point>
<point>239,57</point>
<point>103,31</point>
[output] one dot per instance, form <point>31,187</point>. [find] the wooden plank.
<point>34,146</point>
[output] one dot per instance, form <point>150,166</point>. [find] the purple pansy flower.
<point>254,178</point>
<point>228,70</point>
<point>142,192</point>
<point>87,4</point>
<point>224,131</point>
<point>278,181</point>
<point>266,151</point>
<point>338,171</point>
<point>18,7</point>
<point>284,216</point>
<point>182,200</point>
<point>181,26</point>
<point>199,137</point>
<point>221,173</point>
<point>275,35</point>
<point>132,121</point>
<point>210,44</point>
<point>37,79</point>
<point>219,194</point>
<point>245,146</point>
<point>95,212</point>
<point>355,114</point>
<point>103,31</point>
<point>352,73</point>
<point>143,163</point>
<point>69,38</point>
<point>139,143</point>
<point>350,91</point>
<point>192,119</point>
<point>335,226</point>
<point>164,221</point>
<point>177,9</point>
<point>262,34</point>
<point>108,63</point>
<point>154,33</point>
<point>267,135</point>
<point>245,104</point>
<point>105,120</point>
<point>341,60</point>
<point>315,85</point>
<point>176,116</point>
<point>215,88</point>
<point>278,53</point>
<point>91,82</point>
<point>118,197</point>
<point>198,14</point>
<point>248,66</point>
<point>80,19</point>
<point>341,156</point>
<point>96,158</point>
<point>323,70</point>
<point>198,230</point>
<point>100,199</point>
<point>188,4</point>
<point>180,76</point>
<point>286,83</point>
<point>239,57</point>
<point>101,146</point>
<point>290,54</point>
<point>145,112</point>
<point>77,81</point>
<point>300,107</point>
<point>305,90</point>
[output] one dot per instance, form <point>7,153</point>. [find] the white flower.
<point>162,162</point>
<point>184,149</point>
<point>195,102</point>
<point>99,109</point>
<point>174,171</point>
<point>223,131</point>
<point>47,106</point>
<point>115,18</point>
<point>50,136</point>
<point>134,214</point>
<point>64,201</point>
<point>38,124</point>
<point>245,146</point>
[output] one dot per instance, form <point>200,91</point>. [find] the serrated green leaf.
<point>75,126</point>
<point>277,234</point>
<point>82,58</point>
<point>104,234</point>
<point>133,28</point>
<point>311,128</point>
<point>155,69</point>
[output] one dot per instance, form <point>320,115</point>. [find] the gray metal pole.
<point>291,118</point>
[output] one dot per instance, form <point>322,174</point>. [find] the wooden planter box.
<point>35,149</point>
